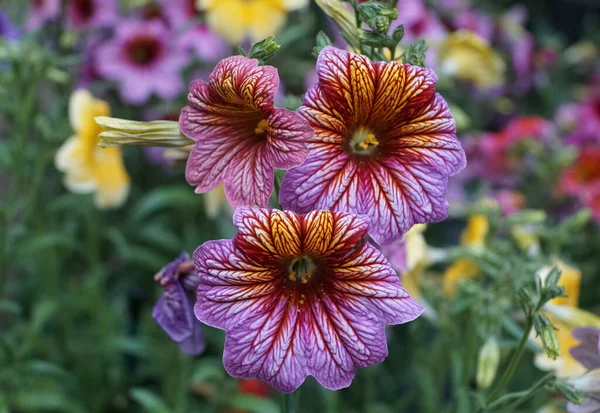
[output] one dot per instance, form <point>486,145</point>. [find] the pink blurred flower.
<point>583,121</point>
<point>419,22</point>
<point>240,136</point>
<point>205,43</point>
<point>90,14</point>
<point>40,12</point>
<point>479,23</point>
<point>145,58</point>
<point>510,201</point>
<point>503,157</point>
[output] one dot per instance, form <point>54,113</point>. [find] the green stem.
<point>514,362</point>
<point>291,402</point>
<point>522,396</point>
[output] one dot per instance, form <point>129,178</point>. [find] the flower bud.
<point>487,366</point>
<point>546,331</point>
<point>343,18</point>
<point>128,132</point>
<point>264,50</point>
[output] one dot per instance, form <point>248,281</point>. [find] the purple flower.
<point>384,145</point>
<point>174,311</point>
<point>588,350</point>
<point>240,136</point>
<point>7,29</point>
<point>90,14</point>
<point>299,295</point>
<point>205,43</point>
<point>144,58</point>
<point>40,12</point>
<point>588,354</point>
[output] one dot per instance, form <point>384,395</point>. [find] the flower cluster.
<point>302,291</point>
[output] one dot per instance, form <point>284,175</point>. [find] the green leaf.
<point>34,402</point>
<point>163,198</point>
<point>149,401</point>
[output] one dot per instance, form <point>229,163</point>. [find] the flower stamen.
<point>364,141</point>
<point>262,127</point>
<point>301,270</point>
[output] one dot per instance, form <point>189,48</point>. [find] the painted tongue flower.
<point>89,14</point>
<point>299,295</point>
<point>40,12</point>
<point>240,135</point>
<point>144,58</point>
<point>384,145</point>
<point>88,167</point>
<point>174,311</point>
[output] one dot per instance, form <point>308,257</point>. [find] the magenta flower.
<point>174,311</point>
<point>40,12</point>
<point>384,145</point>
<point>299,295</point>
<point>241,137</point>
<point>145,58</point>
<point>90,14</point>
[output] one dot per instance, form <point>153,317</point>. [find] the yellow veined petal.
<point>79,104</point>
<point>461,270</point>
<point>112,179</point>
<point>477,228</point>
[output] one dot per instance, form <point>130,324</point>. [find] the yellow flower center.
<point>262,127</point>
<point>301,270</point>
<point>363,141</point>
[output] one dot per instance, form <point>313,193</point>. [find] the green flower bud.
<point>128,132</point>
<point>487,365</point>
<point>264,50</point>
<point>546,331</point>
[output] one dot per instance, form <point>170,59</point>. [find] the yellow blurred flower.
<point>565,365</point>
<point>87,167</point>
<point>463,268</point>
<point>465,55</point>
<point>238,20</point>
<point>215,201</point>
<point>416,260</point>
